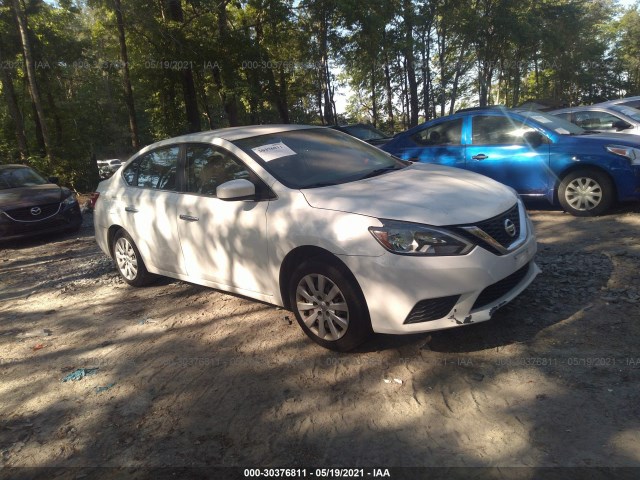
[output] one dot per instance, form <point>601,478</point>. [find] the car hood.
<point>36,195</point>
<point>618,138</point>
<point>421,193</point>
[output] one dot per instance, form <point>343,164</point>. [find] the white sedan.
<point>348,237</point>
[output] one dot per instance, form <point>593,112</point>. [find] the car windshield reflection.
<point>19,177</point>
<point>317,157</point>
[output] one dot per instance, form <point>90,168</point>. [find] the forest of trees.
<point>87,79</point>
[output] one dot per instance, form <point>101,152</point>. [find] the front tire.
<point>128,260</point>
<point>586,193</point>
<point>329,306</point>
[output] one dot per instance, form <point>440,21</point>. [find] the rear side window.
<point>444,133</point>
<point>155,169</point>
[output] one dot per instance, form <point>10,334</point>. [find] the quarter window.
<point>444,133</point>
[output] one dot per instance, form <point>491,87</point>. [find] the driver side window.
<point>207,167</point>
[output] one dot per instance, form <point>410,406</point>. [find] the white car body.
<point>241,246</point>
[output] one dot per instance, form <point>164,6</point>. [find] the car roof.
<point>619,100</point>
<point>596,106</point>
<point>232,133</point>
<point>13,165</point>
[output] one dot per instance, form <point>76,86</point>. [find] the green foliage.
<point>274,61</point>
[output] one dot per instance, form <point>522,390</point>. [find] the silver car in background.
<point>603,117</point>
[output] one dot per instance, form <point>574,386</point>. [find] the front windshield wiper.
<point>380,171</point>
<point>319,184</point>
<point>586,132</point>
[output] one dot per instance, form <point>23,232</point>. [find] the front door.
<point>222,241</point>
<point>502,148</point>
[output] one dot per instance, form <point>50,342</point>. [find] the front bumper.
<point>394,284</point>
<point>67,218</point>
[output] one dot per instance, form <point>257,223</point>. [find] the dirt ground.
<point>191,377</point>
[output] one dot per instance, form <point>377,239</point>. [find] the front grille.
<point>499,289</point>
<point>495,228</point>
<point>431,309</point>
<point>25,214</point>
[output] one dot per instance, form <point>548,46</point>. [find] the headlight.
<point>633,154</point>
<point>413,239</point>
<point>70,200</point>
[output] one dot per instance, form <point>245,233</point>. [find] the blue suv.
<point>537,154</point>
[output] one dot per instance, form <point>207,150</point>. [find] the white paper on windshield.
<point>540,119</point>
<point>273,151</point>
<point>562,131</point>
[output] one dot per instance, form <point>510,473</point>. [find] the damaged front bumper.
<point>412,295</point>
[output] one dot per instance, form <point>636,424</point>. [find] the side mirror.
<point>533,138</point>
<point>53,179</point>
<point>240,189</point>
<point>621,125</point>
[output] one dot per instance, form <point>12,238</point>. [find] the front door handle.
<point>130,209</point>
<point>189,218</point>
<point>480,156</point>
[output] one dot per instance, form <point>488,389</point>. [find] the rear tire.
<point>128,260</point>
<point>329,306</point>
<point>586,193</point>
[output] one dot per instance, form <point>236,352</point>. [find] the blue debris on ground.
<point>80,373</point>
<point>105,388</point>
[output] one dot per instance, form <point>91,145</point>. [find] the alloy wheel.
<point>126,259</point>
<point>322,307</point>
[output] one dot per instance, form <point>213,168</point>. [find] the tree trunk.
<point>426,70</point>
<point>14,110</point>
<point>31,77</point>
<point>326,74</point>
<point>457,75</point>
<point>411,70</point>
<point>186,74</point>
<point>126,79</point>
<point>374,99</point>
<point>387,84</point>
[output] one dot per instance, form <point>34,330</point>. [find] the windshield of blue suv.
<point>317,157</point>
<point>18,177</point>
<point>551,122</point>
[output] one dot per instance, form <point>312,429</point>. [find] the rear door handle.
<point>480,156</point>
<point>189,218</point>
<point>130,209</point>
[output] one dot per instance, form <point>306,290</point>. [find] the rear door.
<point>510,151</point>
<point>147,208</point>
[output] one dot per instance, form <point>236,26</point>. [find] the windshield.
<point>317,157</point>
<point>364,132</point>
<point>628,111</point>
<point>554,123</point>
<point>16,177</point>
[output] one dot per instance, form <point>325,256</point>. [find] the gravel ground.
<point>190,377</point>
